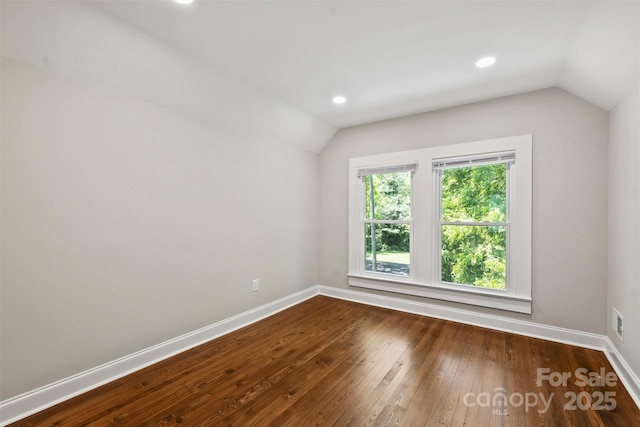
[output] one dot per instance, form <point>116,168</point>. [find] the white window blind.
<point>411,167</point>
<point>476,160</point>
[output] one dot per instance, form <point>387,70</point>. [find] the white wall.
<point>624,232</point>
<point>569,193</point>
<point>125,224</point>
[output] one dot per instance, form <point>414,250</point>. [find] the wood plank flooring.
<point>330,362</point>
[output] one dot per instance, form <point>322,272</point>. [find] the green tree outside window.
<point>474,252</point>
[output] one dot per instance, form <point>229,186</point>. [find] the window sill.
<point>477,297</point>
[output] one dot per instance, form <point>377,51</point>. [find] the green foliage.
<point>471,254</point>
<point>475,193</point>
<point>391,201</point>
<point>474,254</point>
<point>391,196</point>
<point>389,237</point>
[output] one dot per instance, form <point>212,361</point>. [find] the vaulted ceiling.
<point>285,60</point>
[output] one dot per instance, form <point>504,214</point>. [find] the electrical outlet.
<point>256,285</point>
<point>616,323</point>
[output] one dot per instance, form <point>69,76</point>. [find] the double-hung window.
<point>473,219</point>
<point>387,219</point>
<point>449,222</point>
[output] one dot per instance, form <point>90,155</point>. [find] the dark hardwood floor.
<point>332,362</point>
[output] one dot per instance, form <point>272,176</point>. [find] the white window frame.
<point>424,278</point>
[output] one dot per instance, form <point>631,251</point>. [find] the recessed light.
<point>339,99</point>
<point>485,62</point>
<point>183,1</point>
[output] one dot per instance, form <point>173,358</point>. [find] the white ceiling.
<point>393,58</point>
<point>270,68</point>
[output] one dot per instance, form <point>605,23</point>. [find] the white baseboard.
<point>536,330</point>
<point>34,401</point>
<point>521,327</point>
<point>29,403</point>
<point>624,371</point>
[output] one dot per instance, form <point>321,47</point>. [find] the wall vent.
<point>616,323</point>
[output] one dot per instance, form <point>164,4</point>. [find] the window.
<point>473,229</point>
<point>450,222</point>
<point>387,219</point>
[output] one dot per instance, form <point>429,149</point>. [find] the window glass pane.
<point>474,255</point>
<point>475,193</point>
<point>387,252</point>
<point>388,196</point>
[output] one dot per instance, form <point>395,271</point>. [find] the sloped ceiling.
<point>271,68</point>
